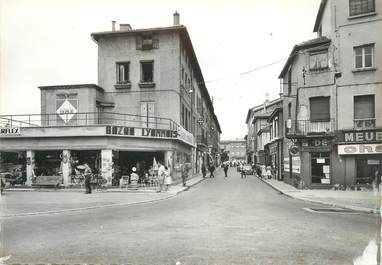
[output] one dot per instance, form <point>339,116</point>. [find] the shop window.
<point>319,109</point>
<point>318,61</point>
<point>320,167</point>
<point>123,69</point>
<point>368,169</point>
<point>359,7</point>
<point>364,112</point>
<point>364,57</point>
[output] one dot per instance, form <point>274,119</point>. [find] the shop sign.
<point>316,143</point>
<point>140,132</point>
<point>363,136</point>
<point>66,111</point>
<point>357,149</point>
<point>10,131</point>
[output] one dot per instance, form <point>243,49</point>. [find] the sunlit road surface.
<point>219,221</point>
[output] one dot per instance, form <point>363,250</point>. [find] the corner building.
<point>150,103</point>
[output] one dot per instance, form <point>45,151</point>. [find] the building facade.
<point>235,149</point>
<point>150,104</point>
<point>332,98</point>
<point>264,134</point>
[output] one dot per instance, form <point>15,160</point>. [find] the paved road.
<point>220,221</point>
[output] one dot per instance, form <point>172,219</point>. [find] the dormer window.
<point>360,7</point>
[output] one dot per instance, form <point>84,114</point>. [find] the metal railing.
<point>86,119</point>
<point>364,123</point>
<point>307,127</point>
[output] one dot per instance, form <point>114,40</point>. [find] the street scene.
<point>228,137</point>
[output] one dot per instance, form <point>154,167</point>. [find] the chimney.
<point>266,102</point>
<point>176,18</point>
<point>113,25</point>
<point>125,27</point>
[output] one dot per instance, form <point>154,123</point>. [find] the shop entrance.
<point>47,163</point>
<point>124,161</point>
<point>320,167</point>
<point>90,157</point>
<point>369,168</point>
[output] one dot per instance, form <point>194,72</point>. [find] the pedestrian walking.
<point>134,177</point>
<point>268,172</point>
<point>204,170</point>
<point>226,169</point>
<point>212,169</point>
<point>161,176</point>
<point>184,172</point>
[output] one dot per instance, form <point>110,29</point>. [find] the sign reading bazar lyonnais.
<point>10,131</point>
<point>142,132</point>
<point>363,136</point>
<point>360,149</point>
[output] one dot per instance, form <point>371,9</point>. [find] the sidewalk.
<point>28,202</point>
<point>365,201</point>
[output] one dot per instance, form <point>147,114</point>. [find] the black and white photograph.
<point>174,132</point>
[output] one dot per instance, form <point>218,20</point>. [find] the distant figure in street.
<point>88,178</point>
<point>161,176</point>
<point>212,169</point>
<point>242,172</point>
<point>263,171</point>
<point>204,170</point>
<point>226,169</point>
<point>184,172</point>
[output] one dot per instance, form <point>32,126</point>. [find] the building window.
<point>364,56</point>
<point>289,110</point>
<point>147,72</point>
<point>146,42</point>
<point>359,7</point>
<point>318,60</point>
<point>123,69</point>
<point>364,112</point>
<point>319,109</point>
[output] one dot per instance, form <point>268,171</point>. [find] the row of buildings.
<point>150,104</point>
<point>326,127</point>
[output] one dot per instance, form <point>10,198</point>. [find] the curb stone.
<point>103,206</point>
<point>355,208</point>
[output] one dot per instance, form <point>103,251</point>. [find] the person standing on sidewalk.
<point>204,170</point>
<point>161,176</point>
<point>226,169</point>
<point>88,178</point>
<point>212,169</point>
<point>184,172</point>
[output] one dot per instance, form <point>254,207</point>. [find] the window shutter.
<point>139,42</point>
<point>364,107</point>
<point>320,109</point>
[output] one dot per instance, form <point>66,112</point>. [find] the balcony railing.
<point>86,119</point>
<point>200,139</point>
<point>362,124</point>
<point>307,127</point>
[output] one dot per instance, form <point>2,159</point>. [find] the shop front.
<point>274,158</point>
<point>361,153</point>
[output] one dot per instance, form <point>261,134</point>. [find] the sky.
<point>47,42</point>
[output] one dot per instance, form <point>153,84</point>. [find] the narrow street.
<point>219,221</point>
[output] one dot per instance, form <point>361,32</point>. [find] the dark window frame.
<point>143,78</point>
<point>118,77</point>
<point>366,7</point>
<point>319,115</point>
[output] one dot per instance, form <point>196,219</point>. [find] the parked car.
<point>248,170</point>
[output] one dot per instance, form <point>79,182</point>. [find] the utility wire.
<point>262,67</point>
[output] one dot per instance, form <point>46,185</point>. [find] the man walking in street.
<point>242,172</point>
<point>161,176</point>
<point>226,169</point>
<point>204,170</point>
